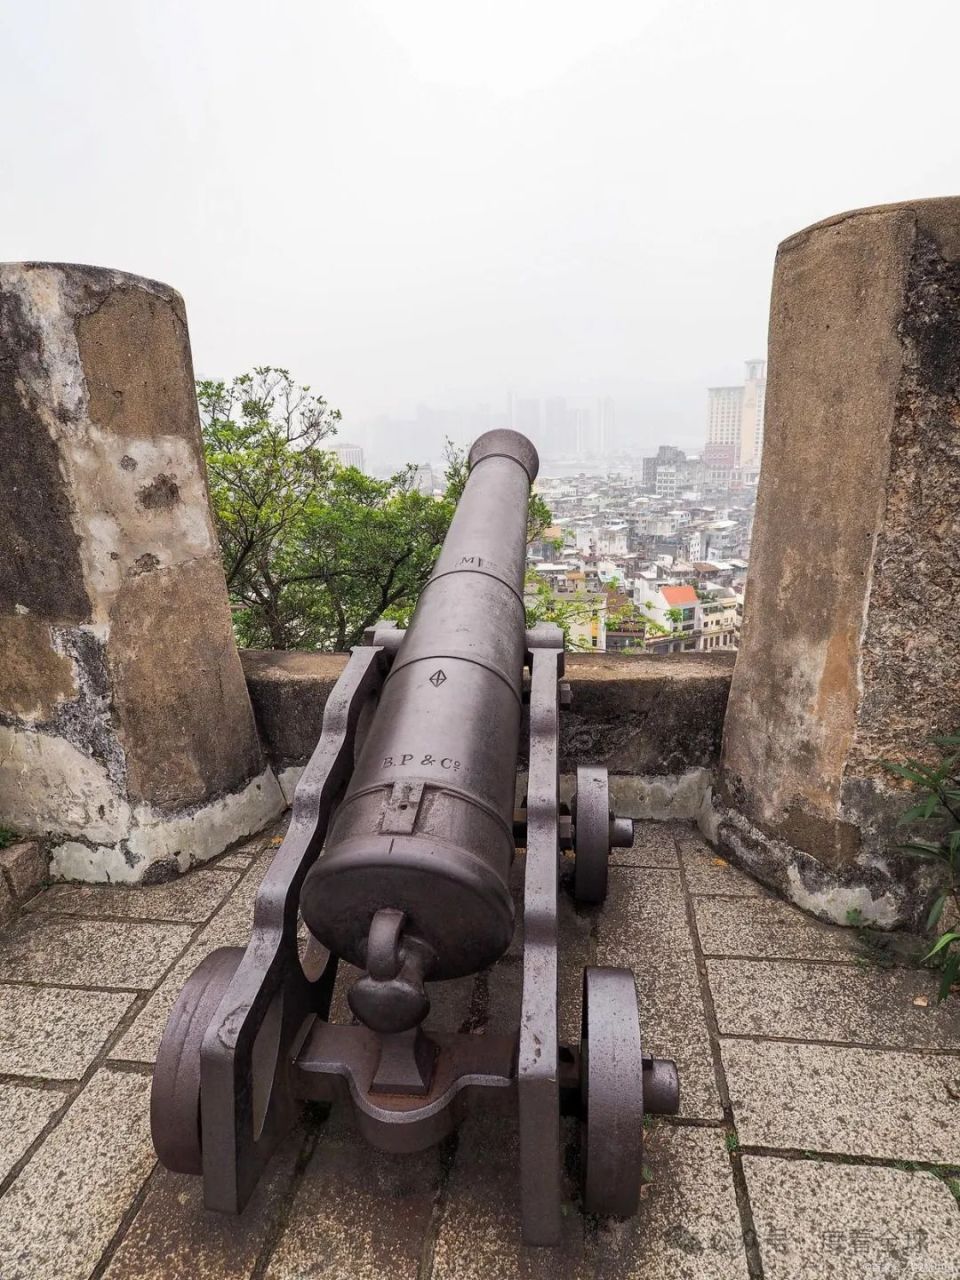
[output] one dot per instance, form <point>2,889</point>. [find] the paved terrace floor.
<point>819,1127</point>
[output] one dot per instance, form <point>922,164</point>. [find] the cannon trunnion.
<point>397,860</point>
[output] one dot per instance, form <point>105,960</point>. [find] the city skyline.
<point>591,426</point>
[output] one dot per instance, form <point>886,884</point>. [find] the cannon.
<point>397,860</point>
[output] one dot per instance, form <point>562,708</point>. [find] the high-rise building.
<point>751,417</point>
<point>559,426</point>
<point>606,425</point>
<point>349,455</point>
<point>424,481</point>
<point>586,440</point>
<point>735,423</point>
<point>525,416</point>
<point>667,455</point>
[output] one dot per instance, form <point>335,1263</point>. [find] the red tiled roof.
<point>678,596</point>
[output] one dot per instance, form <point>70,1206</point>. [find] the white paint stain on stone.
<point>839,901</point>
<point>288,779</point>
<point>49,785</point>
<point>98,864</point>
<point>663,798</point>
<point>62,400</point>
<point>206,831</point>
<point>657,798</point>
<point>185,839</point>
<point>708,817</point>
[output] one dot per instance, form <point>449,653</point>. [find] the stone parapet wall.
<point>655,722</point>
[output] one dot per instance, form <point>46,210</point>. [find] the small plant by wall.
<point>938,811</point>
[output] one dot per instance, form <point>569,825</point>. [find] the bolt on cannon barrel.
<point>412,883</point>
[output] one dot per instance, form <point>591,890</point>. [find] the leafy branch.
<point>939,808</point>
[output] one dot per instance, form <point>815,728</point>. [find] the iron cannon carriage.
<point>396,860</point>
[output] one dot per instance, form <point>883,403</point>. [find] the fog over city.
<point>429,211</point>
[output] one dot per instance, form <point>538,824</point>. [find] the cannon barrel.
<point>415,866</point>
<point>411,885</point>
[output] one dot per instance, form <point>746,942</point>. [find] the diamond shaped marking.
<point>437,679</point>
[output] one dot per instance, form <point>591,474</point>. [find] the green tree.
<point>937,811</point>
<point>313,552</point>
<point>261,437</point>
<point>633,615</point>
<point>543,604</point>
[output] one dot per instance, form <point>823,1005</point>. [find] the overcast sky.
<point>432,201</point>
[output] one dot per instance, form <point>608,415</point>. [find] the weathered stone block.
<point>639,715</point>
<point>645,713</point>
<point>8,903</point>
<point>24,866</point>
<point>850,651</point>
<point>289,691</point>
<point>126,731</point>
<point>55,1032</point>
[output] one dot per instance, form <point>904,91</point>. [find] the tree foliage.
<point>938,809</point>
<point>313,552</point>
<point>569,610</point>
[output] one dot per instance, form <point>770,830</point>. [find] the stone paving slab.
<point>707,873</point>
<point>173,1235</point>
<point>477,1236</point>
<point>654,845</point>
<point>816,1220</point>
<point>61,1211</point>
<point>332,1207</point>
<point>839,1002</point>
<point>194,898</point>
<point>55,1032</point>
<point>643,926</point>
<point>142,1038</point>
<point>358,1214</point>
<point>688,1226</point>
<point>24,1111</point>
<point>230,927</point>
<point>764,928</point>
<point>87,953</point>
<point>861,1102</point>
<point>234,862</point>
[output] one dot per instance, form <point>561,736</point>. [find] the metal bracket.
<point>538,1074</point>
<point>248,1103</point>
<point>386,635</point>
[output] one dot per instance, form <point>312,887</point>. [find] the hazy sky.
<point>426,200</point>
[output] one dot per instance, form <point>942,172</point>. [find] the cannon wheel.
<point>175,1096</point>
<point>591,835</point>
<point>611,1094</point>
